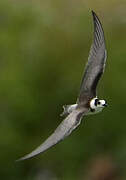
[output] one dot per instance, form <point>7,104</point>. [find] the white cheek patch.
<point>92,103</point>
<point>102,102</point>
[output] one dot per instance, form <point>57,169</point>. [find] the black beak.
<point>105,105</point>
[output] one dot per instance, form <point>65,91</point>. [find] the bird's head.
<point>95,103</point>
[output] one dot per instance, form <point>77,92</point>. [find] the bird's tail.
<point>65,110</point>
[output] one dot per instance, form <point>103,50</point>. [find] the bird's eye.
<point>99,103</point>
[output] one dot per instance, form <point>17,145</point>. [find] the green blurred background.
<point>44,46</point>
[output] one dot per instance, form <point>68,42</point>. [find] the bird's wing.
<point>96,63</point>
<point>62,131</point>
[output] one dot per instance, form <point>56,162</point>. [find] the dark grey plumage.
<point>95,65</point>
<point>92,74</point>
<point>62,131</point>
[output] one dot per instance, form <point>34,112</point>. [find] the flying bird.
<point>87,101</point>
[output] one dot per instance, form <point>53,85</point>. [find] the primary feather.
<point>95,65</point>
<point>62,131</point>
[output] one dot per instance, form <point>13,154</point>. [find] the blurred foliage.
<point>44,46</point>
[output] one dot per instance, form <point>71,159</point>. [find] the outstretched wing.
<point>96,63</point>
<point>62,131</point>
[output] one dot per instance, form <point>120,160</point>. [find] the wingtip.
<point>17,160</point>
<point>20,159</point>
<point>23,158</point>
<point>94,14</point>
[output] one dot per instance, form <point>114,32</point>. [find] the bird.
<point>87,102</point>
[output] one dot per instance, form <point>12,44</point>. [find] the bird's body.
<point>87,101</point>
<point>93,107</point>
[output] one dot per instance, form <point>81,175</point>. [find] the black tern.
<point>87,102</point>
